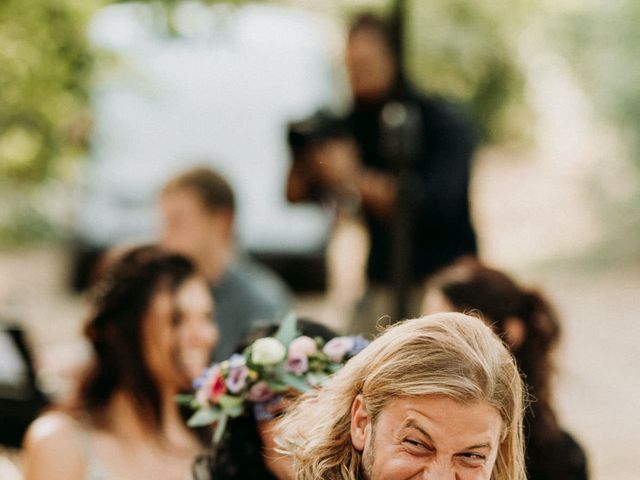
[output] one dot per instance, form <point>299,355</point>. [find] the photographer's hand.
<point>336,165</point>
<point>378,193</point>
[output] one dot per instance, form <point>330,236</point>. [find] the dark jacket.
<point>441,225</point>
<point>559,458</point>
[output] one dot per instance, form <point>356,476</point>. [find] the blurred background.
<point>101,102</point>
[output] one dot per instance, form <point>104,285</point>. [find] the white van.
<point>221,91</point>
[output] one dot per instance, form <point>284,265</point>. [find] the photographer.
<point>347,162</point>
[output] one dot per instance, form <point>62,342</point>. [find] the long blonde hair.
<point>444,354</point>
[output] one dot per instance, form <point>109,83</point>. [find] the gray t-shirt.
<point>248,294</point>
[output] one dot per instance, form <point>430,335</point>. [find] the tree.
<point>44,85</point>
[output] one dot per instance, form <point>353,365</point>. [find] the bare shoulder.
<point>53,448</point>
<point>53,427</point>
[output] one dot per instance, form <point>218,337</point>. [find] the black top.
<point>558,459</point>
<point>441,226</point>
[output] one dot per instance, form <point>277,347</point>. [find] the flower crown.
<point>267,369</point>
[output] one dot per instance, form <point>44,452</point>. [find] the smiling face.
<point>434,437</point>
<point>196,333</point>
<point>179,334</point>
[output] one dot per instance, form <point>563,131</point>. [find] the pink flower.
<point>237,378</point>
<point>297,364</point>
<point>202,397</point>
<point>217,387</point>
<point>260,392</point>
<point>303,346</point>
<point>204,384</point>
<point>337,348</point>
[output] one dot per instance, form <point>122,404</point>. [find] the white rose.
<point>267,351</point>
<point>302,346</point>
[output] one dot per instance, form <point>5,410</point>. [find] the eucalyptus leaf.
<point>295,382</point>
<point>184,399</point>
<point>334,367</point>
<point>229,402</point>
<point>234,411</point>
<point>288,329</point>
<point>204,416</point>
<point>220,428</point>
<point>277,386</point>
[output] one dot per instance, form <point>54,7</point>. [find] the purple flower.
<point>237,378</point>
<point>359,344</point>
<point>265,411</point>
<point>237,360</point>
<point>260,392</point>
<point>205,376</point>
<point>298,363</point>
<point>337,348</point>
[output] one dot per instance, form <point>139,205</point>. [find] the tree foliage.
<point>602,40</point>
<point>44,74</point>
<point>467,50</point>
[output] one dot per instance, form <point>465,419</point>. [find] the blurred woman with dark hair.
<point>151,334</point>
<point>530,326</point>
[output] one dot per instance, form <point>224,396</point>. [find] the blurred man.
<point>198,211</point>
<point>436,178</point>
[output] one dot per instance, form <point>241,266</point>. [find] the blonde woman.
<point>435,397</point>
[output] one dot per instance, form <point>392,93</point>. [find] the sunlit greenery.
<point>467,50</point>
<point>44,84</point>
<point>603,42</point>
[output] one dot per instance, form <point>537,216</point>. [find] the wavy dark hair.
<point>121,299</point>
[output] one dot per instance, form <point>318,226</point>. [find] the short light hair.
<point>212,190</point>
<point>447,354</point>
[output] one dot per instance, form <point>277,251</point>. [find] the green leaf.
<point>183,399</point>
<point>295,382</point>
<point>334,367</point>
<point>229,402</point>
<point>277,386</point>
<point>204,416</point>
<point>234,411</point>
<point>316,378</point>
<point>288,329</point>
<point>220,427</point>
